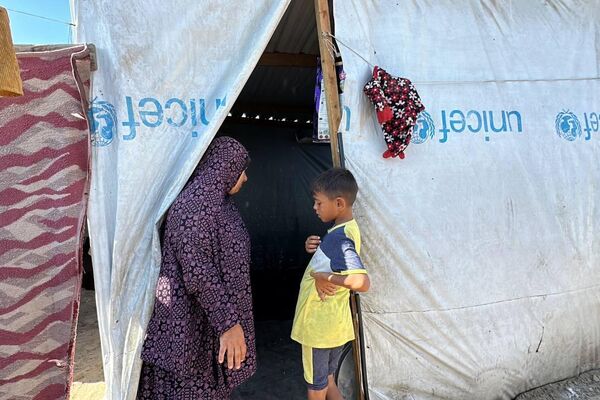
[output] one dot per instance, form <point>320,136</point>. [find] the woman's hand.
<point>324,287</point>
<point>233,343</point>
<point>312,243</point>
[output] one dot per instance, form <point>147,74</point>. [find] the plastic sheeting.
<point>168,72</point>
<point>484,243</point>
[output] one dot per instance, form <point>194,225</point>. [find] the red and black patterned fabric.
<point>398,105</point>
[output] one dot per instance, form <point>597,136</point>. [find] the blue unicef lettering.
<point>103,121</point>
<point>424,129</point>
<point>487,122</point>
<point>348,114</point>
<point>567,125</point>
<point>592,124</point>
<point>149,112</point>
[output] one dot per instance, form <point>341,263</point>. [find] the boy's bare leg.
<point>333,393</point>
<point>317,394</point>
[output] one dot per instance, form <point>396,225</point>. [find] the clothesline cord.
<point>325,34</point>
<point>596,78</point>
<point>41,17</point>
<point>330,48</point>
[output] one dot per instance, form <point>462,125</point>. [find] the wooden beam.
<point>334,114</point>
<point>288,60</point>
<point>273,108</point>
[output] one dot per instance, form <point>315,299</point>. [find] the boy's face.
<point>327,209</point>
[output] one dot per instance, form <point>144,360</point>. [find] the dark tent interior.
<point>276,205</point>
<point>274,119</point>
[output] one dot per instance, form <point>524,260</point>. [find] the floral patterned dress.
<point>203,288</point>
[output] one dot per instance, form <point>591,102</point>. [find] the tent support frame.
<point>334,116</point>
<point>329,78</point>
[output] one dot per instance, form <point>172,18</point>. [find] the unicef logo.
<point>568,126</point>
<point>103,122</point>
<point>423,129</point>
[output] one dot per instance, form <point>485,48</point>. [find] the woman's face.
<point>238,185</point>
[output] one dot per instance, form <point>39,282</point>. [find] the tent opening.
<point>274,118</point>
<point>276,205</point>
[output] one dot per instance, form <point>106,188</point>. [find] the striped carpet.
<point>43,194</point>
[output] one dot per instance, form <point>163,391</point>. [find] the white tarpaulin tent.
<point>168,74</point>
<point>482,244</point>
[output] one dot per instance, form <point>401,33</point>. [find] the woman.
<point>200,339</point>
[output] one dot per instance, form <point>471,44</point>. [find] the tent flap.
<point>483,243</point>
<point>168,73</point>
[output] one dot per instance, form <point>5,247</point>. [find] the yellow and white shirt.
<point>328,324</point>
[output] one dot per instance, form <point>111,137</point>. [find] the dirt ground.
<point>584,387</point>
<point>279,374</point>
<point>88,378</point>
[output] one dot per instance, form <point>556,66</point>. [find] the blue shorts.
<point>319,364</point>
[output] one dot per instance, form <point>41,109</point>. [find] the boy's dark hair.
<point>336,182</point>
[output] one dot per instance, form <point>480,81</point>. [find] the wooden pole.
<point>332,97</point>
<point>356,346</point>
<point>334,116</point>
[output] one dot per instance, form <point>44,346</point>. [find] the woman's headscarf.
<point>216,174</point>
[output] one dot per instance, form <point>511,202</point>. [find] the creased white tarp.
<point>168,73</point>
<point>484,243</point>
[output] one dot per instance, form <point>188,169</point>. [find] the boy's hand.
<point>324,287</point>
<point>233,343</point>
<point>312,243</point>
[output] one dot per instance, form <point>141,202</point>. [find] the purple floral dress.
<point>203,288</point>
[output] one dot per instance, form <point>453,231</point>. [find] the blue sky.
<point>30,30</point>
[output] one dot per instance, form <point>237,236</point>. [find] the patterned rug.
<point>44,159</point>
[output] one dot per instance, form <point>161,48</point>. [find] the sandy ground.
<point>88,378</point>
<point>279,374</point>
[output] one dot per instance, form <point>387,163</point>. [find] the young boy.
<point>323,322</point>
